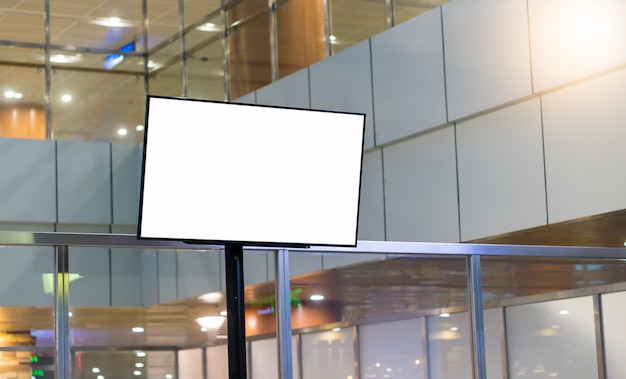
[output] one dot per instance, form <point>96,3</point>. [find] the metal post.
<point>273,39</point>
<point>283,314</point>
<point>183,48</point>
<point>144,45</point>
<point>47,71</point>
<point>597,313</point>
<point>226,51</point>
<point>327,27</point>
<point>391,13</point>
<point>236,312</point>
<point>476,317</point>
<point>62,361</point>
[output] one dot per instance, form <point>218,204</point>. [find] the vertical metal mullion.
<point>283,314</point>
<point>144,45</point>
<point>183,48</point>
<point>391,13</point>
<point>273,38</point>
<point>504,346</point>
<point>62,358</point>
<point>477,325</point>
<point>599,326</point>
<point>226,52</point>
<point>47,71</point>
<point>205,368</point>
<point>425,348</point>
<point>327,26</point>
<point>357,352</point>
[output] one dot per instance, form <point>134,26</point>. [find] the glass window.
<point>408,9</point>
<point>328,354</point>
<point>353,21</point>
<point>196,10</point>
<point>22,21</point>
<point>97,106</point>
<point>22,112</point>
<point>205,62</point>
<point>301,36</point>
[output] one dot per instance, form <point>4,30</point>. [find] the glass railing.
<point>156,309</point>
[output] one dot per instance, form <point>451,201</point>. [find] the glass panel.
<point>217,362</point>
<point>61,59</point>
<point>553,339</point>
<point>26,312</point>
<point>96,106</point>
<point>190,363</point>
<point>614,309</point>
<point>164,18</point>
<point>196,10</point>
<point>22,112</point>
<point>205,65</point>
<point>328,354</point>
<point>408,9</point>
<point>449,347</point>
<point>264,359</point>
<point>250,60</point>
<point>24,23</point>
<point>122,364</point>
<point>165,71</point>
<point>107,25</point>
<point>301,37</point>
<point>355,20</point>
<point>393,350</point>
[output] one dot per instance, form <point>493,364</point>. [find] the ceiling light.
<point>141,354</point>
<point>139,128</point>
<point>169,376</point>
<point>624,243</point>
<point>95,370</point>
<point>332,38</point>
<point>70,314</point>
<point>9,94</point>
<point>111,22</point>
<point>139,365</point>
<point>317,297</point>
<point>203,329</point>
<point>454,328</point>
<point>62,58</point>
<point>417,361</point>
<point>137,329</point>
<point>212,297</point>
<point>221,337</point>
<point>136,372</point>
<point>336,330</point>
<point>17,95</point>
<point>223,313</point>
<point>377,364</point>
<point>208,27</point>
<point>100,376</point>
<point>211,322</point>
<point>564,312</point>
<point>444,314</point>
<point>122,131</point>
<point>66,98</point>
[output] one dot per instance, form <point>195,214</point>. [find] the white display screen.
<point>253,175</point>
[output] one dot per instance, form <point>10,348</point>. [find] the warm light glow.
<point>223,313</point>
<point>17,95</point>
<point>141,354</point>
<point>95,370</point>
<point>317,297</point>
<point>139,365</point>
<point>70,314</point>
<point>454,328</point>
<point>417,361</point>
<point>564,312</point>
<point>203,329</point>
<point>66,98</point>
<point>377,364</point>
<point>212,297</point>
<point>139,128</point>
<point>336,330</point>
<point>137,329</point>
<point>169,376</point>
<point>222,337</point>
<point>444,315</point>
<point>9,94</point>
<point>122,131</point>
<point>62,58</point>
<point>211,322</point>
<point>208,27</point>
<point>100,376</point>
<point>136,372</point>
<point>332,38</point>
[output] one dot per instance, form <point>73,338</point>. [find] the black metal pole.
<point>236,312</point>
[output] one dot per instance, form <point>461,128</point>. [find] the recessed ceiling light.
<point>136,372</point>
<point>335,329</point>
<point>417,361</point>
<point>139,365</point>
<point>169,376</point>
<point>563,312</point>
<point>211,322</point>
<point>317,297</point>
<point>70,314</point>
<point>203,329</point>
<point>100,376</point>
<point>9,94</point>
<point>444,314</point>
<point>221,337</point>
<point>332,38</point>
<point>141,354</point>
<point>95,370</point>
<point>454,328</point>
<point>211,297</point>
<point>223,313</point>
<point>624,243</point>
<point>122,131</point>
<point>17,95</point>
<point>66,98</point>
<point>62,58</point>
<point>139,128</point>
<point>137,329</point>
<point>208,27</point>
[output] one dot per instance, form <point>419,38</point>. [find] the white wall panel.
<point>493,343</point>
<point>84,182</point>
<point>371,206</point>
<point>291,91</point>
<point>167,276</point>
<point>574,38</point>
<point>126,277</point>
<point>409,88</point>
<point>125,165</point>
<point>247,99</point>
<point>613,311</point>
<point>420,189</point>
<point>328,355</point>
<point>449,347</point>
<point>27,181</point>
<point>501,174</point>
<point>190,364</point>
<point>93,288</point>
<point>217,362</point>
<point>486,54</point>
<point>198,272</point>
<point>343,82</point>
<point>264,359</point>
<point>584,142</point>
<point>27,276</point>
